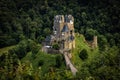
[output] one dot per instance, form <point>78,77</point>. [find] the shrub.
<point>56,46</point>
<point>58,61</point>
<point>40,63</point>
<point>83,54</point>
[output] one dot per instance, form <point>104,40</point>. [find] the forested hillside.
<point>34,19</point>
<point>26,23</point>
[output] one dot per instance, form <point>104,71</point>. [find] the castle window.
<point>61,17</point>
<point>71,31</point>
<point>55,31</point>
<point>71,38</point>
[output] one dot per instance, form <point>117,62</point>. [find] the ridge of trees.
<point>34,19</point>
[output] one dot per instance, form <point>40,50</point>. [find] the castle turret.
<point>95,41</point>
<point>58,25</point>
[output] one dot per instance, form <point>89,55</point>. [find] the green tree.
<point>40,39</point>
<point>47,31</point>
<point>58,61</point>
<point>83,54</point>
<point>102,42</point>
<point>90,33</point>
<point>55,46</point>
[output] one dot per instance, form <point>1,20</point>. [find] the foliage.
<point>103,66</point>
<point>83,54</point>
<point>98,66</point>
<point>41,62</point>
<point>90,33</point>
<point>55,46</point>
<point>32,19</point>
<point>59,60</point>
<point>102,42</point>
<point>27,22</point>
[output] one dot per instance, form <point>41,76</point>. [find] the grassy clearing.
<point>80,45</point>
<point>49,61</point>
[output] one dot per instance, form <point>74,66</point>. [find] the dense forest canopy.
<point>34,18</point>
<point>24,24</point>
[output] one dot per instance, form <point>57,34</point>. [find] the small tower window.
<point>71,31</point>
<point>61,17</point>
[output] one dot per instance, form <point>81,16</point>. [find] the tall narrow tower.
<point>95,41</point>
<point>58,25</point>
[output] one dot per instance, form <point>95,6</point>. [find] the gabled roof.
<point>65,29</point>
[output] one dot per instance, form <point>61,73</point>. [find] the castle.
<point>63,33</point>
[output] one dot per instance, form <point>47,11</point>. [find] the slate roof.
<point>48,38</point>
<point>65,29</point>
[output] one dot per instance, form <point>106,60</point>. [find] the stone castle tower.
<point>63,30</point>
<point>94,42</point>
